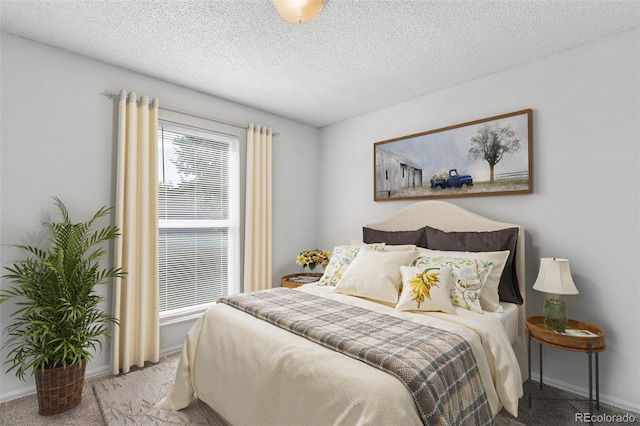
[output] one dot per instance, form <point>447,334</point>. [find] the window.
<point>198,216</point>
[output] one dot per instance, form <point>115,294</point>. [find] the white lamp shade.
<point>298,11</point>
<point>555,277</point>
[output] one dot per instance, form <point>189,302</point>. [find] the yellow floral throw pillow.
<point>468,277</point>
<point>426,289</point>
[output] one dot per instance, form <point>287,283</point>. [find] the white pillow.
<point>358,243</point>
<point>489,297</point>
<point>405,247</point>
<point>342,257</point>
<point>383,246</point>
<point>375,274</point>
<point>426,289</point>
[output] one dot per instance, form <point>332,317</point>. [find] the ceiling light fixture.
<point>298,11</point>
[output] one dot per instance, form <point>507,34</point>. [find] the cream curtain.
<point>257,248</point>
<point>135,297</point>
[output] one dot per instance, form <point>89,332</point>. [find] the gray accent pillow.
<point>504,239</point>
<point>417,238</point>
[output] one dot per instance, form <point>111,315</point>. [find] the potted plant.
<point>58,322</point>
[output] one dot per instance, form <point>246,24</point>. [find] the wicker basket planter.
<point>59,389</point>
<point>59,315</point>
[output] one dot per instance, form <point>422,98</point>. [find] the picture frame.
<point>490,156</point>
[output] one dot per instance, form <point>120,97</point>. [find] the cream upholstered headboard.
<point>450,217</point>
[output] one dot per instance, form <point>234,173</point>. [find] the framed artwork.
<point>491,156</point>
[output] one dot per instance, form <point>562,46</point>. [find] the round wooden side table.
<point>578,337</point>
<point>296,280</point>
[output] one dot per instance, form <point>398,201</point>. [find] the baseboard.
<point>604,398</point>
<point>171,350</point>
<point>18,393</point>
<point>93,372</point>
<point>31,389</point>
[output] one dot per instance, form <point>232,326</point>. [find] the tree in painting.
<point>492,143</point>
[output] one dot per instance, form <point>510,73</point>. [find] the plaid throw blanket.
<point>438,367</point>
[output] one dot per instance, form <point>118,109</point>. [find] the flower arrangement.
<point>313,258</point>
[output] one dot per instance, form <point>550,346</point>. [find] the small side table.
<point>296,280</point>
<point>586,344</point>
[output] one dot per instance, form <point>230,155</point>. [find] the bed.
<point>253,367</point>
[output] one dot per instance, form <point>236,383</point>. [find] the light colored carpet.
<point>130,399</point>
<point>24,411</point>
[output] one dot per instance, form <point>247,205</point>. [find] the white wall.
<point>585,201</point>
<point>58,138</point>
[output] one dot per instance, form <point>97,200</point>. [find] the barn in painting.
<point>394,172</point>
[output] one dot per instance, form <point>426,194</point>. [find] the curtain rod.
<point>110,94</point>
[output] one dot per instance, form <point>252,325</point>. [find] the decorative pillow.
<point>426,289</point>
<point>417,237</point>
<point>375,274</point>
<point>467,278</point>
<point>338,264</point>
<point>489,299</point>
<point>503,239</point>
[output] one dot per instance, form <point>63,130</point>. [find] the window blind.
<point>197,216</point>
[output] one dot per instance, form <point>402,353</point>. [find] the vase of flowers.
<point>312,258</point>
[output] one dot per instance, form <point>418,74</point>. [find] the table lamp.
<point>555,277</point>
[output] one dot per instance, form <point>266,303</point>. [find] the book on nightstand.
<point>577,333</point>
<point>303,279</point>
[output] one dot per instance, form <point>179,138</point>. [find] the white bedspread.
<point>254,373</point>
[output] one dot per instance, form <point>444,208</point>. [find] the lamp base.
<point>555,314</point>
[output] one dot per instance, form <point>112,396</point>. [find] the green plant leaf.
<point>57,318</point>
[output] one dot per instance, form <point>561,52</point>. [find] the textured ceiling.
<point>355,57</point>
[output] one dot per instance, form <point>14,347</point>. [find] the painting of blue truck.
<point>453,180</point>
<point>491,156</point>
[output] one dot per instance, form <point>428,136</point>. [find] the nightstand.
<point>296,280</point>
<point>590,343</point>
